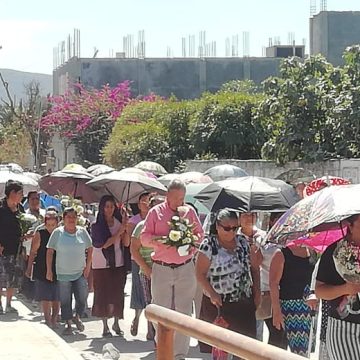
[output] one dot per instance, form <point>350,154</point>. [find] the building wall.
<point>185,78</point>
<point>349,169</point>
<point>332,31</point>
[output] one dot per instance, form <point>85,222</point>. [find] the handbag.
<point>264,311</point>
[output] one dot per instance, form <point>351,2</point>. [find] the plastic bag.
<point>216,353</point>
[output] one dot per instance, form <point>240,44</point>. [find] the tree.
<point>296,111</point>
<point>153,130</point>
<point>85,117</point>
<point>26,116</point>
<point>224,125</point>
<point>346,132</point>
<point>240,86</point>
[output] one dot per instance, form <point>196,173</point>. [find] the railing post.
<point>164,343</point>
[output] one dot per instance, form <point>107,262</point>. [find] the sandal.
<point>78,323</point>
<point>117,330</point>
<point>107,334</point>
<point>11,310</point>
<point>134,327</point>
<point>68,331</point>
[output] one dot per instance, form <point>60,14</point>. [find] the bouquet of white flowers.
<point>181,233</point>
<point>347,261</point>
<point>27,222</point>
<point>69,201</point>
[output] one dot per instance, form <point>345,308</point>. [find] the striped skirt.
<point>297,320</point>
<point>343,340</point>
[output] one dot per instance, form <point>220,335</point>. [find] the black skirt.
<point>239,315</point>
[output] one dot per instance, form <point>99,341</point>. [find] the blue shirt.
<point>70,252</point>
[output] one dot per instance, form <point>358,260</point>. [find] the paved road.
<point>90,343</point>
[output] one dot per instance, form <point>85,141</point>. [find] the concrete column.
<point>202,75</point>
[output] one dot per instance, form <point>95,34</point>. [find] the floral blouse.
<point>229,273</point>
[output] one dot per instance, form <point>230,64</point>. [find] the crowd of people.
<point>232,273</point>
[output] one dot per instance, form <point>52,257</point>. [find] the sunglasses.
<point>229,228</point>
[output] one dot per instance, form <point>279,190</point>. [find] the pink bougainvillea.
<point>72,114</point>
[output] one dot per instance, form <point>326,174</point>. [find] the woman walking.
<point>109,273</point>
<point>47,292</point>
<point>70,242</point>
<point>10,241</point>
<point>137,301</point>
<point>290,277</point>
<point>343,326</point>
<point>142,256</point>
<point>223,269</point>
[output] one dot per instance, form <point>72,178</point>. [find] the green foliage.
<point>296,111</point>
<point>240,86</point>
<point>224,125</point>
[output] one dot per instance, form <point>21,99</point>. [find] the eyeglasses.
<point>229,228</point>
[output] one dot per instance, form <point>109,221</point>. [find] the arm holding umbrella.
<point>276,271</point>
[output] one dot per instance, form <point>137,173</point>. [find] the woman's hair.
<point>144,194</point>
<point>221,215</point>
<point>352,219</point>
<point>12,185</point>
<point>67,211</point>
<point>51,215</point>
<point>101,213</point>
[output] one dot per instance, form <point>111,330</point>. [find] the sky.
<point>29,30</point>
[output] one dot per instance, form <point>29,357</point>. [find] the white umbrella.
<point>191,177</point>
<point>152,167</point>
<point>99,169</point>
<point>33,175</point>
<point>28,183</point>
<point>133,170</point>
<point>125,186</point>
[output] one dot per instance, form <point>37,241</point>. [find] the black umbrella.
<point>250,193</point>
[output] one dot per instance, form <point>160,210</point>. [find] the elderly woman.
<point>10,241</point>
<point>47,292</point>
<point>343,327</point>
<point>290,277</point>
<point>223,269</point>
<point>71,242</point>
<point>108,264</point>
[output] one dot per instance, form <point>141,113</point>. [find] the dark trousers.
<point>239,315</point>
<point>276,337</point>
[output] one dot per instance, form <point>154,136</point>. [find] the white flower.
<point>186,221</point>
<point>182,227</point>
<point>174,235</point>
<point>79,210</point>
<point>183,210</point>
<point>29,218</point>
<point>187,241</point>
<point>175,218</point>
<point>65,202</point>
<point>81,221</point>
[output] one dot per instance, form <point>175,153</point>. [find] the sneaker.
<point>10,310</point>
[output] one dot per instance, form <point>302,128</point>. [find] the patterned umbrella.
<point>323,182</point>
<point>321,212</point>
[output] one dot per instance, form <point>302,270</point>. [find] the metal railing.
<point>168,321</point>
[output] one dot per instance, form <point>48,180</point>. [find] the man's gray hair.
<point>176,184</point>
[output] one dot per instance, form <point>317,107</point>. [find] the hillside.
<point>17,80</point>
